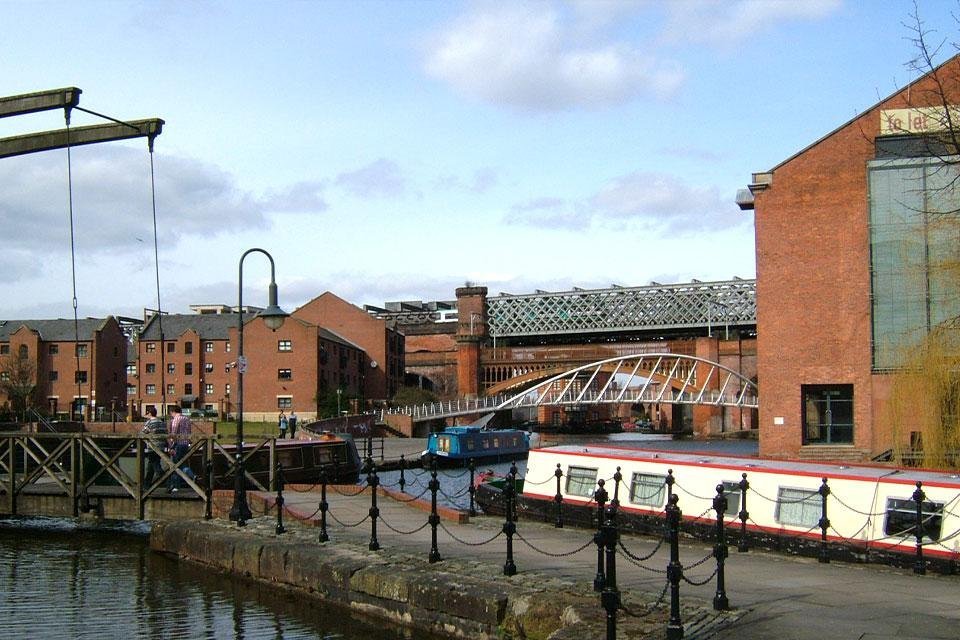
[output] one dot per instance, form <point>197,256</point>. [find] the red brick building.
<point>74,377</point>
<point>384,365</point>
<point>289,369</point>
<point>845,280</point>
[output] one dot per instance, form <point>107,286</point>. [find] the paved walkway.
<point>780,597</point>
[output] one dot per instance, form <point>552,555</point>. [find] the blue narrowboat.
<point>457,445</point>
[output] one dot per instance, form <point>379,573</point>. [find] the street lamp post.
<point>273,316</point>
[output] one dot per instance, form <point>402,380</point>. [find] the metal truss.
<point>699,305</point>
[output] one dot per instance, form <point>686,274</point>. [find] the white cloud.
<point>729,22</point>
<point>526,56</point>
<point>112,203</point>
<point>379,179</point>
<point>301,197</point>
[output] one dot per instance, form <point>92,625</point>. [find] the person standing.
<point>152,427</point>
<point>282,423</point>
<point>292,423</point>
<point>180,428</point>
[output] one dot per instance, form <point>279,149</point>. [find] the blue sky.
<point>395,150</point>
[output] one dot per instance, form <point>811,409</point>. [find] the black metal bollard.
<point>434,519</point>
<point>919,566</point>
<point>743,515</point>
<point>720,601</point>
<point>559,498</point>
<point>670,481</point>
<point>324,505</point>
<point>513,474</point>
<point>373,482</point>
<point>610,597</point>
<point>240,489</point>
<point>280,528</point>
<point>824,523</point>
<point>403,468</point>
<point>617,478</point>
<point>208,467</point>
<point>509,526</point>
<point>473,488</point>
<point>674,569</point>
<point>600,495</point>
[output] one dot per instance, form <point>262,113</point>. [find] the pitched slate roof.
<point>211,326</point>
<point>59,330</point>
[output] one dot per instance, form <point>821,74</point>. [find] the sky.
<point>398,150</point>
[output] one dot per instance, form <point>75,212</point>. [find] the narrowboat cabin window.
<point>901,518</point>
<point>471,444</point>
<point>648,489</point>
<point>581,481</point>
<point>798,507</point>
<point>731,494</point>
<point>443,444</point>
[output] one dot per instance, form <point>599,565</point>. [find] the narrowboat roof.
<point>469,428</point>
<point>749,464</point>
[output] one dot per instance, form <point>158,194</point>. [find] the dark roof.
<point>59,330</point>
<point>336,337</point>
<point>210,326</point>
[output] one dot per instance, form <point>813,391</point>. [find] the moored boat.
<point>871,510</point>
<point>457,445</point>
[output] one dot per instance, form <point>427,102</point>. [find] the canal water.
<point>61,581</point>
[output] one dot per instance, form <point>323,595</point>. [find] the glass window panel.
<point>581,481</point>
<point>648,489</point>
<point>798,507</point>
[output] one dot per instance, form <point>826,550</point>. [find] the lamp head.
<point>273,316</point>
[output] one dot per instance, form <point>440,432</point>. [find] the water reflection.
<point>58,581</point>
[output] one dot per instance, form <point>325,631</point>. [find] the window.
<point>4,376</point>
<point>151,347</point>
<point>208,367</point>
<point>22,352</point>
<point>53,349</point>
<point>53,376</point>
<point>171,347</point>
<point>151,389</point>
<point>81,351</point>
<point>226,388</point>
<point>227,348</point>
<point>827,413</point>
<point>150,367</point>
<point>208,347</point>
<point>285,345</point>
<point>731,494</point>
<point>116,351</point>
<point>284,374</point>
<point>171,389</point>
<point>131,390</point>
<point>648,489</point>
<point>188,369</point>
<point>80,376</point>
<point>188,389</point>
<point>581,481</point>
<point>171,368</point>
<point>131,369</point>
<point>4,349</point>
<point>913,220</point>
<point>188,348</point>
<point>208,389</point>
<point>901,519</point>
<point>799,507</point>
<point>284,402</point>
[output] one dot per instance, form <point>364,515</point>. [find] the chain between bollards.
<point>824,523</point>
<point>559,498</point>
<point>373,482</point>
<point>324,505</point>
<point>600,496</point>
<point>280,528</point>
<point>434,519</point>
<point>674,569</point>
<point>509,526</point>
<point>473,488</point>
<point>720,600</point>
<point>919,566</point>
<point>743,515</point>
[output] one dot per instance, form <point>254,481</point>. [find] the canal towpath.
<point>773,595</point>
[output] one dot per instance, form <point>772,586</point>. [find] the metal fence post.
<point>208,467</point>
<point>373,482</point>
<point>323,505</point>
<point>919,566</point>
<point>434,516</point>
<point>720,600</point>
<point>472,490</point>
<point>600,496</point>
<point>279,479</point>
<point>509,526</point>
<point>824,523</point>
<point>674,569</point>
<point>610,597</point>
<point>559,498</point>
<point>617,478</point>
<point>403,468</point>
<point>743,515</point>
